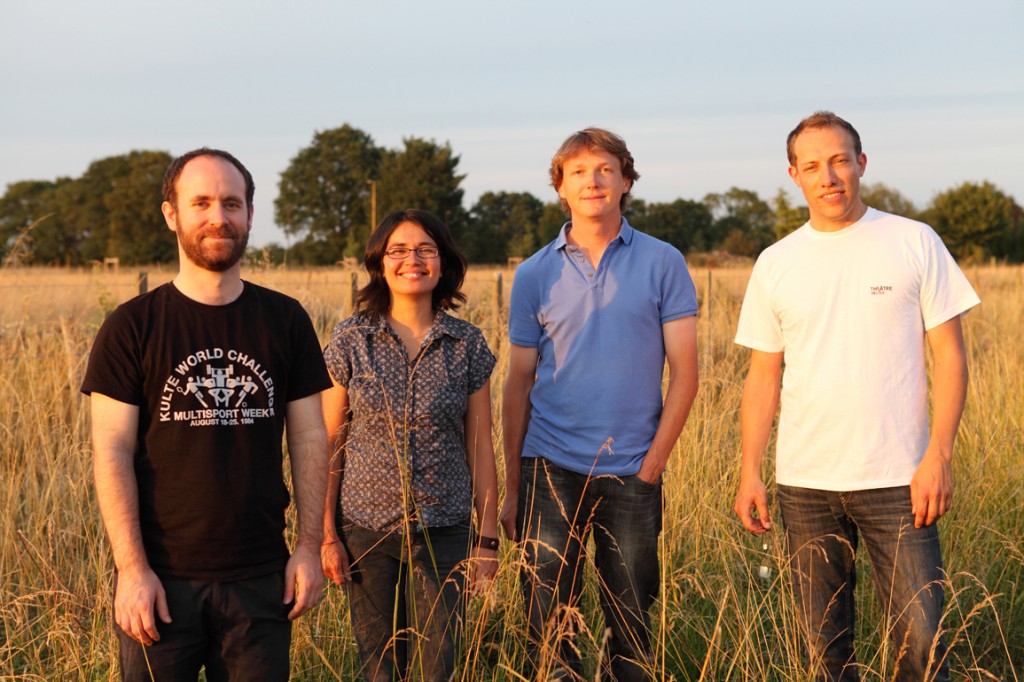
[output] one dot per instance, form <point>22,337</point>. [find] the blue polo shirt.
<point>597,399</point>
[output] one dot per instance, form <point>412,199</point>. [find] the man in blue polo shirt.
<point>587,431</point>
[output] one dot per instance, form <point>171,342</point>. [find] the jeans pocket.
<point>645,486</point>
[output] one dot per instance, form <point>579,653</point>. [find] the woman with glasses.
<point>409,427</point>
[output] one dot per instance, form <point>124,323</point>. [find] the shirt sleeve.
<point>759,327</point>
<point>524,327</point>
<point>481,360</point>
<point>337,357</point>
<point>310,374</point>
<point>115,366</point>
<point>678,295</point>
<point>945,291</point>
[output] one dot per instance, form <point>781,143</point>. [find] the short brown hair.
<point>821,119</point>
<point>594,140</point>
<point>174,172</point>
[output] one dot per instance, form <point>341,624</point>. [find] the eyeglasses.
<point>401,252</point>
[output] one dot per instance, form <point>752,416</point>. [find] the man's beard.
<point>192,245</point>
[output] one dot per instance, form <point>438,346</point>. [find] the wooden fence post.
<point>498,302</point>
<point>353,291</point>
<point>711,355</point>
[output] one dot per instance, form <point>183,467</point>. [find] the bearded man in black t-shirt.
<point>193,387</point>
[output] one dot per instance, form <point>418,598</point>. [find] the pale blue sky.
<point>704,93</point>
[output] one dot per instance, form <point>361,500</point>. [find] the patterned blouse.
<point>406,449</point>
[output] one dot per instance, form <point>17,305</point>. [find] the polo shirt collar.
<point>625,234</point>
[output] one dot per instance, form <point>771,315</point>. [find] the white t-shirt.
<point>849,309</point>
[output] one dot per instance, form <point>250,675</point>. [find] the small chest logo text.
<point>880,290</point>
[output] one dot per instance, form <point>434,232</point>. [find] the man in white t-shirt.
<point>848,302</point>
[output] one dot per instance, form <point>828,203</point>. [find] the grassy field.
<point>717,619</point>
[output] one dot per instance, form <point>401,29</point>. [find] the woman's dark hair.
<point>375,297</point>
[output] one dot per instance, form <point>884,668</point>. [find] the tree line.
<point>335,187</point>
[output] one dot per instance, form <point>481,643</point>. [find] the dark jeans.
<point>822,532</point>
<point>558,509</point>
<point>239,630</point>
<point>406,600</point>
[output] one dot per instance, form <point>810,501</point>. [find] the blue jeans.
<point>237,630</point>
<point>558,509</point>
<point>406,600</point>
<point>822,534</point>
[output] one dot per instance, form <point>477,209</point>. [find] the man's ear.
<point>793,174</point>
<point>169,215</point>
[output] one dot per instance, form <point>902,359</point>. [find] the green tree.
<point>424,175</point>
<point>24,208</point>
<point>1010,244</point>
<point>884,198</point>
<point>682,223</point>
<point>976,221</point>
<point>82,203</point>
<point>787,217</point>
<point>136,230</point>
<point>552,218</point>
<point>324,194</point>
<point>113,209</point>
<point>503,224</point>
<point>743,222</point>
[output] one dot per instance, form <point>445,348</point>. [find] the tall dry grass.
<point>717,619</point>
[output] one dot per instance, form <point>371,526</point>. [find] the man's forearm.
<point>679,397</point>
<point>949,390</point>
<point>515,418</point>
<point>758,406</point>
<point>309,479</point>
<point>118,497</point>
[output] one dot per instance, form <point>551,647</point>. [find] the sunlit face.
<point>210,218</point>
<point>414,275</point>
<point>593,185</point>
<point>828,172</point>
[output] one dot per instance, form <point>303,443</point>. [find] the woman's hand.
<point>483,566</point>
<point>334,559</point>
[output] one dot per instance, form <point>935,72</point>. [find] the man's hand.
<point>507,516</point>
<point>649,474</point>
<point>335,563</point>
<point>303,581</point>
<point>137,593</point>
<point>751,496</point>
<point>931,489</point>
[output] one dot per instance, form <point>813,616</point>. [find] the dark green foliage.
<point>326,201</point>
<point>24,209</point>
<point>422,175</point>
<point>978,221</point>
<point>787,217</point>
<point>682,223</point>
<point>884,198</point>
<point>326,194</point>
<point>503,225</point>
<point>112,210</point>
<point>744,223</point>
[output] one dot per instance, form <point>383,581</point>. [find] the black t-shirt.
<point>212,384</point>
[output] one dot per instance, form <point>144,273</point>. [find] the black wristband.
<point>484,542</point>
